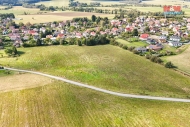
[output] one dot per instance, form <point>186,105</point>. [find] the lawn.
<point>182,61</point>
<point>59,104</point>
<point>106,67</point>
<point>130,44</point>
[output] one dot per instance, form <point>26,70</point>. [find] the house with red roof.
<point>61,36</point>
<point>144,36</point>
<point>129,29</point>
<point>93,34</point>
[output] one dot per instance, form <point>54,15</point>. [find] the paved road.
<point>102,90</point>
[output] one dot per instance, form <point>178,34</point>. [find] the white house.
<point>175,38</point>
<point>175,44</point>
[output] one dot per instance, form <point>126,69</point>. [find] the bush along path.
<point>102,90</point>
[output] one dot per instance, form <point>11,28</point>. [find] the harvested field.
<point>77,14</point>
<point>22,81</point>
<point>58,16</point>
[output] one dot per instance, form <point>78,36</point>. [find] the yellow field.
<point>19,10</point>
<point>22,81</point>
<point>57,16</point>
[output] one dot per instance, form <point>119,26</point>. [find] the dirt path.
<point>103,90</point>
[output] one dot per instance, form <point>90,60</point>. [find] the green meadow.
<point>107,67</point>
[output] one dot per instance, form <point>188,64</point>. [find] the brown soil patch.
<point>22,81</point>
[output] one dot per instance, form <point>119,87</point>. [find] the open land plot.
<point>20,81</point>
<point>60,104</point>
<point>58,16</point>
<point>166,2</point>
<point>19,10</point>
<point>63,3</point>
<point>182,61</point>
<point>107,67</point>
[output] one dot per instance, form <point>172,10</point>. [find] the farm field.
<point>57,16</point>
<point>19,10</point>
<point>19,81</point>
<point>182,61</point>
<point>107,67</point>
<point>60,3</point>
<point>166,2</point>
<point>61,104</point>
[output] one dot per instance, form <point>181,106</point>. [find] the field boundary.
<point>103,90</point>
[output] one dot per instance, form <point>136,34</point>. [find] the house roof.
<point>144,35</point>
<point>175,37</point>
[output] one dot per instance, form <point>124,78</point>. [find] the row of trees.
<point>7,15</point>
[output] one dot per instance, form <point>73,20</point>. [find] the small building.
<point>163,37</point>
<point>156,47</point>
<point>175,38</point>
<point>141,49</point>
<point>175,44</point>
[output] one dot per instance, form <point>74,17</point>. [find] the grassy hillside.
<point>107,67</point>
<point>60,104</point>
<point>182,61</point>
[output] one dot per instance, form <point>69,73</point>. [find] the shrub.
<point>135,52</point>
<point>153,58</point>
<point>125,47</point>
<point>148,56</point>
<point>131,48</point>
<point>169,65</point>
<point>121,45</point>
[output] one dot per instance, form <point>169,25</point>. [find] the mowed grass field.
<point>106,67</point>
<point>63,105</point>
<point>182,61</point>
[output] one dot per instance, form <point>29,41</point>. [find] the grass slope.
<point>59,104</point>
<point>106,66</point>
<point>182,61</point>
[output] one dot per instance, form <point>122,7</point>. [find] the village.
<point>155,33</point>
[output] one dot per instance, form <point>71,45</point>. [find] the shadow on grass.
<point>20,52</point>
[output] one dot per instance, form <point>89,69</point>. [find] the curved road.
<point>102,90</point>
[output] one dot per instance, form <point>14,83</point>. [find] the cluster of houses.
<point>161,27</point>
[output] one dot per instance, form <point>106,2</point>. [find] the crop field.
<point>18,81</point>
<point>60,104</point>
<point>60,3</point>
<point>19,10</point>
<point>182,61</point>
<point>58,16</point>
<point>106,67</point>
<point>166,2</point>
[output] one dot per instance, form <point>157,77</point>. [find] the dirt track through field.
<point>103,90</point>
